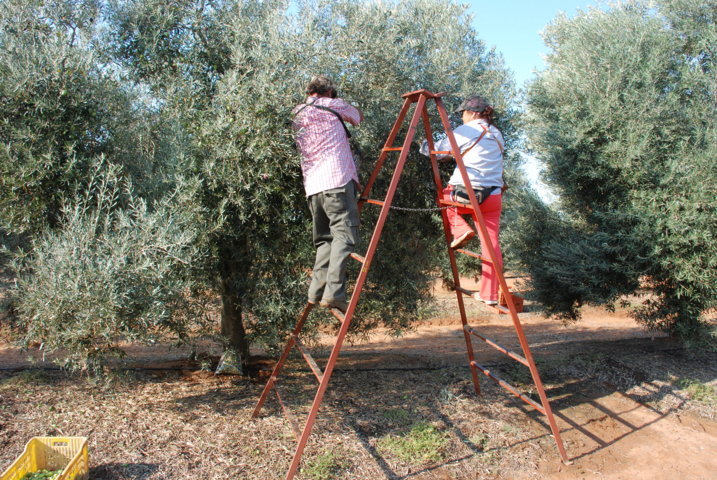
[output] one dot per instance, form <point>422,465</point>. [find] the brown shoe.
<point>340,305</point>
<point>462,239</point>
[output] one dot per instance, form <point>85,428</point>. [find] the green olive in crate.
<point>42,475</point>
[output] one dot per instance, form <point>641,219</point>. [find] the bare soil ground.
<point>625,401</point>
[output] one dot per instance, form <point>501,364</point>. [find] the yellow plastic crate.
<point>52,453</point>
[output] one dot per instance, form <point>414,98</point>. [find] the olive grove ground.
<point>625,402</point>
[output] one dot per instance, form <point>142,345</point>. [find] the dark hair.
<point>487,113</point>
<point>321,85</point>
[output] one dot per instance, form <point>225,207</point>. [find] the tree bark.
<point>232,324</point>
<point>233,271</point>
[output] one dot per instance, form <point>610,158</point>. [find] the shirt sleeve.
<point>424,149</point>
<point>347,111</point>
<point>444,145</point>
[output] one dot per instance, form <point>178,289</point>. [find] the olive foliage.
<point>55,113</point>
<point>241,140</point>
<point>103,241</point>
<point>112,274</point>
<point>625,123</point>
<point>197,129</point>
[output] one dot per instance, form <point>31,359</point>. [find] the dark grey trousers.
<point>335,234</point>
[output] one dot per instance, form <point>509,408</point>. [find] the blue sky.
<point>513,26</point>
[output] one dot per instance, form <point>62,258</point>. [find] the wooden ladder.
<point>420,115</point>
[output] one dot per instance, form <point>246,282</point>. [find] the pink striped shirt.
<point>326,159</point>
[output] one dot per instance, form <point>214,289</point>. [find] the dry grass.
<point>190,424</point>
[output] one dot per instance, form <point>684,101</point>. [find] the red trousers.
<point>490,209</point>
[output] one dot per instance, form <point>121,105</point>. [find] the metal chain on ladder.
<point>408,209</point>
<point>417,209</point>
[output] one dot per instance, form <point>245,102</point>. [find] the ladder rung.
<point>372,201</point>
<point>337,313</point>
<point>474,255</point>
<point>309,359</point>
<point>465,291</point>
<point>500,348</point>
<point>447,203</point>
<point>442,152</point>
<point>500,308</point>
<point>392,149</point>
<point>292,421</point>
<point>358,257</point>
<point>507,386</point>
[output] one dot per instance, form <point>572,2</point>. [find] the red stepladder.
<point>420,99</point>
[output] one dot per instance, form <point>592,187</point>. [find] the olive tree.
<point>231,73</point>
<point>110,274</point>
<point>61,110</point>
<point>625,123</point>
<point>90,204</point>
<point>148,162</point>
<point>52,108</point>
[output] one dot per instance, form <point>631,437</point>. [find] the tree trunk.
<point>233,269</point>
<point>232,323</point>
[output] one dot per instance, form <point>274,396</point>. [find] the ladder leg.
<point>536,380</point>
<point>360,281</point>
<point>328,371</point>
<point>384,153</point>
<point>280,364</point>
<point>464,319</point>
<point>451,255</point>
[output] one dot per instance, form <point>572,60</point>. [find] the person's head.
<point>475,107</point>
<point>321,86</point>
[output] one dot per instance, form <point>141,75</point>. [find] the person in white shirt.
<point>481,145</point>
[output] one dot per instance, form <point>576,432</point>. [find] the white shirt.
<point>484,162</point>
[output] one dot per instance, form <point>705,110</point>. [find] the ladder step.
<point>358,257</point>
<point>500,309</point>
<point>507,386</point>
<point>448,203</point>
<point>337,313</point>
<point>473,254</point>
<point>392,149</point>
<point>500,348</point>
<point>287,413</point>
<point>465,291</point>
<point>372,201</point>
<point>441,152</point>
<point>309,359</point>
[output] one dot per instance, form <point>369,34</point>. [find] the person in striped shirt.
<point>331,184</point>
